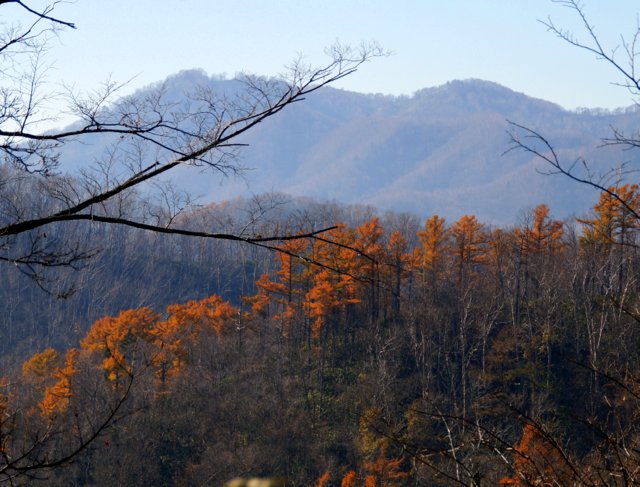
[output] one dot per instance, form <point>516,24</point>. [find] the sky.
<point>430,42</point>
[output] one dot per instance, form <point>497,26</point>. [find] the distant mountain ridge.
<point>442,150</point>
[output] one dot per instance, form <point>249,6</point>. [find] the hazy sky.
<point>432,42</point>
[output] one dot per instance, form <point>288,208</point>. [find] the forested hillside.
<point>417,307</point>
<point>386,351</point>
<point>130,268</point>
<point>442,150</point>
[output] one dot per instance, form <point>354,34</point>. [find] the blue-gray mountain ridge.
<point>442,150</point>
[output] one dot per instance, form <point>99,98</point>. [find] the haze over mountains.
<point>441,150</point>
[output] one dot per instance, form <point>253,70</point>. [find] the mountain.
<point>442,150</point>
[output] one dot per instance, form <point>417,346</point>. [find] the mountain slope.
<point>441,150</point>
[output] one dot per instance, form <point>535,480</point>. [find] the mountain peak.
<point>438,151</point>
<point>473,95</point>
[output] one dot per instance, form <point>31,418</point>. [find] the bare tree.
<point>150,135</point>
<point>611,458</point>
<point>623,59</point>
<point>33,446</point>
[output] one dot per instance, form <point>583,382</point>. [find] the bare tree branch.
<point>535,143</point>
<point>204,130</point>
<point>594,46</point>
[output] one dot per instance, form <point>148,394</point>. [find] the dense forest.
<point>149,340</point>
<point>383,351</point>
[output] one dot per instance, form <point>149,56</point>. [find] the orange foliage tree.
<point>469,244</point>
<point>322,299</point>
<point>183,326</point>
<point>57,396</point>
<point>396,268</point>
<point>323,480</point>
<point>317,283</point>
<point>42,365</point>
<point>370,245</point>
<point>613,221</point>
<point>334,288</point>
<point>538,461</point>
<point>429,257</point>
<point>349,479</point>
<point>195,317</point>
<point>282,298</point>
<point>384,471</point>
<point>115,337</point>
<point>543,235</point>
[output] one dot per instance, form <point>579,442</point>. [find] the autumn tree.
<point>46,429</point>
<point>579,170</point>
<point>41,366</point>
<point>385,471</point>
<point>612,230</point>
<point>443,394</point>
<point>148,136</point>
<point>336,286</point>
<point>613,221</point>
<point>281,297</point>
<point>608,242</point>
<point>541,234</point>
<point>538,243</point>
<point>430,256</point>
<point>369,239</point>
<point>538,460</point>
<point>608,278</point>
<point>607,233</point>
<point>349,479</point>
<point>323,480</point>
<point>397,268</point>
<point>469,245</point>
<point>58,395</point>
<point>174,338</point>
<point>200,132</point>
<point>118,340</point>
<point>125,363</point>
